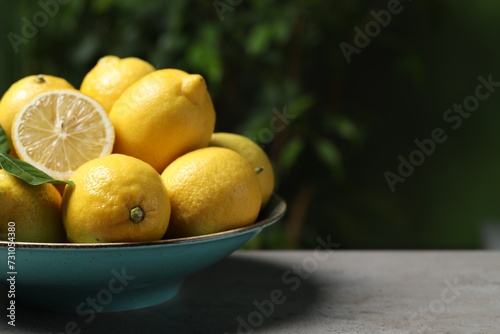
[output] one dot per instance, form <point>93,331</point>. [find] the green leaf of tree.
<point>27,172</point>
<point>342,126</point>
<point>328,152</point>
<point>291,152</point>
<point>259,39</point>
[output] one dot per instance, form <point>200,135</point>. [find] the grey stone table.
<point>314,292</point>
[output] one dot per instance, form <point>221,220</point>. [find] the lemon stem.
<point>259,170</point>
<point>136,215</point>
<point>40,79</point>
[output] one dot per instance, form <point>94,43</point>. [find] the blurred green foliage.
<point>347,122</point>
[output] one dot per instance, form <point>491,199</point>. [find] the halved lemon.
<point>60,130</point>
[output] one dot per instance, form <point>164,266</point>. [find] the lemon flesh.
<point>60,130</point>
<point>21,92</point>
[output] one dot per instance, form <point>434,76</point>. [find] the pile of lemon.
<point>139,147</point>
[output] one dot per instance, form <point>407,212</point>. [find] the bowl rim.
<point>277,212</point>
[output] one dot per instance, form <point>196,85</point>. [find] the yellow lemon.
<point>211,190</point>
<point>116,198</point>
<point>32,213</point>
<point>21,92</point>
<point>59,130</point>
<point>255,156</point>
<point>111,76</point>
<point>162,116</point>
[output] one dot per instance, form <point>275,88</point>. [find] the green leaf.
<point>301,104</point>
<point>259,39</point>
<point>329,153</point>
<point>291,153</point>
<point>4,141</point>
<point>102,6</point>
<point>27,172</point>
<point>342,126</point>
<point>204,55</point>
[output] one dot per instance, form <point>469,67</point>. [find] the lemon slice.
<point>60,130</point>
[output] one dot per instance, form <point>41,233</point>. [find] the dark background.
<point>351,120</point>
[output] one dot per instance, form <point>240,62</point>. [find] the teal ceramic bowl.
<point>109,277</point>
